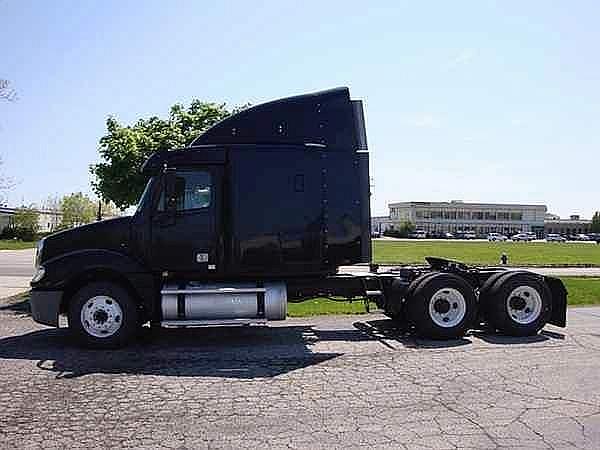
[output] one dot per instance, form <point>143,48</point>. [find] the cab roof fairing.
<point>327,118</point>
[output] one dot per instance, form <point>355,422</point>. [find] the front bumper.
<point>45,306</point>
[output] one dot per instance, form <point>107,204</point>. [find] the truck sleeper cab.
<point>260,210</point>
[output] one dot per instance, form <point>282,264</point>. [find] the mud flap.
<point>559,301</point>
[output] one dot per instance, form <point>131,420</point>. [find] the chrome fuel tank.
<point>202,301</point>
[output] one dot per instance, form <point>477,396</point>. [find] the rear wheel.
<point>103,315</point>
<point>396,309</point>
<point>518,304</point>
<point>442,306</point>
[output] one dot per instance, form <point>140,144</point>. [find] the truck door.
<point>185,222</point>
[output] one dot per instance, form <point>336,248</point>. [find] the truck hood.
<point>111,234</point>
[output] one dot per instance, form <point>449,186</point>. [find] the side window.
<point>193,191</point>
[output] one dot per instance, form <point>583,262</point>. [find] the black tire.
<point>448,291</point>
<point>418,282</point>
<point>396,310</point>
<point>517,315</point>
<point>108,324</point>
<point>484,294</point>
<point>486,289</point>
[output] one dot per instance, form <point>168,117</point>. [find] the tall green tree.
<point>406,227</point>
<point>596,222</point>
<point>77,209</point>
<point>124,148</point>
<point>27,220</point>
<point>24,224</point>
<point>401,230</point>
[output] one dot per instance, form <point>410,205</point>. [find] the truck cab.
<point>276,192</point>
<point>262,209</point>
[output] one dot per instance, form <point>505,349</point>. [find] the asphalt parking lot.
<point>16,270</point>
<point>327,382</point>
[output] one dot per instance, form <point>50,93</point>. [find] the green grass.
<point>324,306</point>
<point>15,245</point>
<point>582,291</point>
<point>487,253</point>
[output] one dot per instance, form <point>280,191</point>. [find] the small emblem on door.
<point>201,257</point>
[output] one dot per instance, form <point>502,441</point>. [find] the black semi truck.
<point>261,210</point>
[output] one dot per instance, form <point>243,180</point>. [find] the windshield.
<point>143,196</point>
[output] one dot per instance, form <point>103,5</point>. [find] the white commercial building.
<point>48,221</point>
<point>481,218</point>
<point>379,224</point>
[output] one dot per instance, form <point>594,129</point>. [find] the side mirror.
<point>170,192</point>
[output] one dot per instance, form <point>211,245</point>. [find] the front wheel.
<point>103,315</point>
<point>443,306</point>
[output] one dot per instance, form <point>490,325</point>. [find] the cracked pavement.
<point>325,382</point>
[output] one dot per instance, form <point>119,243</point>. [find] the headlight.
<point>39,274</point>
<point>38,252</point>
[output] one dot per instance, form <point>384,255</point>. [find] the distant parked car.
<point>448,236</point>
<point>418,234</point>
<point>435,235</point>
<point>555,238</point>
<point>523,237</point>
<point>493,237</point>
<point>594,237</point>
<point>582,237</point>
<point>466,235</point>
<point>375,234</point>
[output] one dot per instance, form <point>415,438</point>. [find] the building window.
<point>450,215</point>
<point>516,216</point>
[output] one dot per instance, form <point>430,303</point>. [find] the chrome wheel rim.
<point>101,316</point>
<point>524,305</point>
<point>447,307</point>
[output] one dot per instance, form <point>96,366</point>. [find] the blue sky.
<point>479,101</point>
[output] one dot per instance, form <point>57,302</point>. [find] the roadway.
<point>16,270</point>
<point>17,263</point>
<point>323,382</point>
